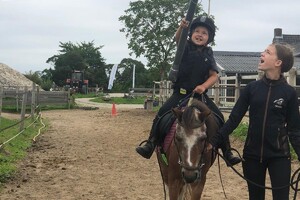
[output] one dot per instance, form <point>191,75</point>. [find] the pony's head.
<point>191,139</point>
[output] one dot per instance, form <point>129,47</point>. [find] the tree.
<point>34,77</point>
<point>150,26</point>
<point>40,79</point>
<point>124,76</point>
<point>84,57</point>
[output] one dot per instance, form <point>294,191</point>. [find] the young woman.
<point>273,121</point>
<point>197,73</point>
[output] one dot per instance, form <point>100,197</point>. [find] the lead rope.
<point>220,176</point>
<point>293,183</point>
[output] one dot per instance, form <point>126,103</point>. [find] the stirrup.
<point>146,151</point>
<point>145,141</point>
<point>233,161</point>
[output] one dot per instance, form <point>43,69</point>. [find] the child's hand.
<point>199,89</point>
<point>184,23</point>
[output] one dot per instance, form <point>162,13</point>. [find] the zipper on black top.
<point>264,124</point>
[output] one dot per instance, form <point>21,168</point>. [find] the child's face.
<point>269,60</point>
<point>200,35</point>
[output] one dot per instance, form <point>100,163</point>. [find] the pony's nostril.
<point>190,176</point>
<point>190,179</point>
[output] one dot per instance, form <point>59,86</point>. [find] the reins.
<point>293,181</point>
<point>200,164</point>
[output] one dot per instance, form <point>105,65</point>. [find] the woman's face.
<point>200,36</point>
<point>269,59</point>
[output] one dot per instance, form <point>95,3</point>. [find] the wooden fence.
<point>225,92</point>
<point>23,97</point>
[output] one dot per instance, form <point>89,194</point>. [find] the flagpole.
<point>133,77</point>
<point>208,12</point>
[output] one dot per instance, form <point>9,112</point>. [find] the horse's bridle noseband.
<point>188,168</point>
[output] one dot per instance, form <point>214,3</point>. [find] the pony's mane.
<point>188,118</point>
<point>200,105</point>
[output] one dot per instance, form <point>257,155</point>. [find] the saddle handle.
<point>192,97</point>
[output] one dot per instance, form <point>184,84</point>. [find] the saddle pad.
<point>169,137</point>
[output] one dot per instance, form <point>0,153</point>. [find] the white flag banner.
<point>112,76</point>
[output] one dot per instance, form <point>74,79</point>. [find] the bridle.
<point>201,162</point>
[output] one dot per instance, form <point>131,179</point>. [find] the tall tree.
<point>40,79</point>
<point>34,76</point>
<point>124,77</point>
<point>150,26</point>
<point>84,57</point>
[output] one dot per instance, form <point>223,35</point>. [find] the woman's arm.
<point>293,123</point>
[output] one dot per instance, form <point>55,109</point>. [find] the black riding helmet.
<point>207,22</point>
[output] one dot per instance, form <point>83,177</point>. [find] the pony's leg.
<point>167,192</point>
<point>176,191</point>
<point>173,193</point>
<point>198,187</point>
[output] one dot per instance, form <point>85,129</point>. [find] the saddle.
<point>163,126</point>
<point>166,126</point>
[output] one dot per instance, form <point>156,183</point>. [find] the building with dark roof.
<point>293,40</point>
<point>245,63</point>
<point>232,62</point>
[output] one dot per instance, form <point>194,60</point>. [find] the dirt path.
<point>90,155</point>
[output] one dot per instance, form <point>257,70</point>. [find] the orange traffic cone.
<point>113,110</point>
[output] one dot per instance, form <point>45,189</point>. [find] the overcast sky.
<point>30,30</point>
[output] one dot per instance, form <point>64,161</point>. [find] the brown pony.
<point>189,156</point>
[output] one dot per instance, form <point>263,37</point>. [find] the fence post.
<point>24,100</point>
<point>69,98</point>
<point>237,88</point>
<point>17,98</point>
<point>217,93</point>
<point>170,86</point>
<point>161,98</point>
<point>33,93</point>
<point>260,75</point>
<point>97,90</point>
<point>154,90</point>
<point>38,96</point>
<point>1,96</point>
<point>164,90</point>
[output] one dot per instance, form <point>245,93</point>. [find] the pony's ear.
<point>203,115</point>
<point>178,113</point>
